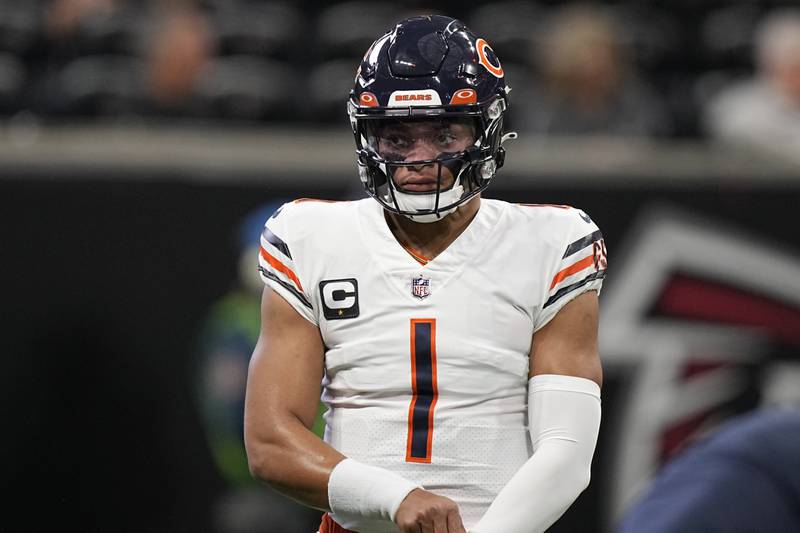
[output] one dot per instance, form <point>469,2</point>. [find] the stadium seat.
<point>265,29</point>
<point>100,85</point>
<point>510,27</point>
<point>248,88</point>
<point>348,29</point>
<point>652,36</point>
<point>12,81</point>
<point>121,32</point>
<point>19,26</point>
<point>328,87</point>
<point>727,34</point>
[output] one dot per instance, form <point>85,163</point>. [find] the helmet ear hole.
<point>378,177</point>
<point>500,158</point>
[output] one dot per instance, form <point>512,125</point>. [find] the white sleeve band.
<point>563,422</point>
<point>358,492</point>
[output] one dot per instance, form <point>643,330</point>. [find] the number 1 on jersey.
<point>424,390</point>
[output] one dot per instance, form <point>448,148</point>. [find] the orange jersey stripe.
<point>586,262</point>
<point>300,200</point>
<point>415,393</point>
<point>560,206</point>
<point>280,267</point>
<point>421,259</point>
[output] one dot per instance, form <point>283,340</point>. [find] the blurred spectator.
<point>587,83</point>
<point>764,112</point>
<point>179,50</point>
<point>63,17</point>
<point>745,478</point>
<point>122,57</point>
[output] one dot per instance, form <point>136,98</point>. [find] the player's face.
<point>423,140</point>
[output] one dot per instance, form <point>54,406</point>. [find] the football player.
<point>454,338</point>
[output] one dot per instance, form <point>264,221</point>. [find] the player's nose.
<point>422,150</point>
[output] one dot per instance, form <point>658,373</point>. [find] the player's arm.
<point>563,420</point>
<point>567,345</point>
<point>283,389</point>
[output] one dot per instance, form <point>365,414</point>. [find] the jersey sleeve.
<point>579,265</point>
<point>277,264</point>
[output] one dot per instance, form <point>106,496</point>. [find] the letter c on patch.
<point>339,294</point>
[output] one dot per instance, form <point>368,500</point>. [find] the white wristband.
<point>357,491</point>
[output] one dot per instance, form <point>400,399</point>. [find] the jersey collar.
<point>399,266</point>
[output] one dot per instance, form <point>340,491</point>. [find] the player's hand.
<point>426,512</point>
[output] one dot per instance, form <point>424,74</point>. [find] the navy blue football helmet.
<point>429,68</point>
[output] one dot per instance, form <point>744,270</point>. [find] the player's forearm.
<point>293,460</point>
<point>540,492</point>
<point>564,414</point>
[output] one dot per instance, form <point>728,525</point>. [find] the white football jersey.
<point>426,366</point>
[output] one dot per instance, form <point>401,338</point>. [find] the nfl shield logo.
<point>421,287</point>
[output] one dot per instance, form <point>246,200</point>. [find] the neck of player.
<point>431,239</point>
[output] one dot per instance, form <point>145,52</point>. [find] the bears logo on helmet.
<point>486,55</point>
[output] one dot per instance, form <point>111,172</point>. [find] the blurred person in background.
<point>586,82</point>
<point>744,478</point>
<point>63,18</point>
<point>226,341</point>
<point>119,58</point>
<point>228,335</point>
<point>414,313</point>
<point>177,53</point>
<point>764,112</point>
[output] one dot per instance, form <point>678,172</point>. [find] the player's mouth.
<point>419,185</point>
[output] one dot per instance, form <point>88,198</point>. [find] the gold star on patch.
<point>341,312</point>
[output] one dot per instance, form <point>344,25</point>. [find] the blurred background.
<point>144,143</point>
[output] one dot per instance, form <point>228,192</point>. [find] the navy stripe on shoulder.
<point>276,241</point>
<point>582,243</point>
<point>276,213</point>
<point>287,286</point>
<point>569,288</point>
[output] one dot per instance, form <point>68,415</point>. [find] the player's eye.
<point>445,137</point>
<point>396,141</point>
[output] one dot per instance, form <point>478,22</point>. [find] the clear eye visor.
<point>450,161</point>
<point>420,141</point>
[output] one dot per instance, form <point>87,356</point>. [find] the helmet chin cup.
<point>421,207</point>
<point>427,219</point>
